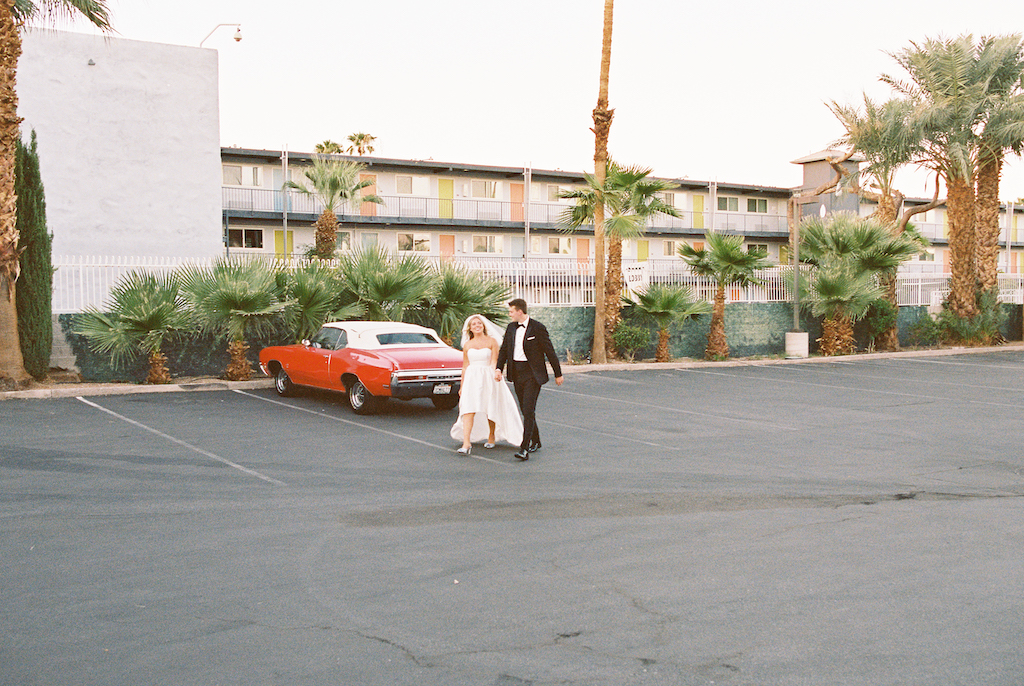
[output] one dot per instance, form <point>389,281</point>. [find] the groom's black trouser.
<point>527,390</point>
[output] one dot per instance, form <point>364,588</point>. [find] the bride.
<point>480,396</point>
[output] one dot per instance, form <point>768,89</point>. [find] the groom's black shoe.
<point>522,455</point>
<point>534,447</point>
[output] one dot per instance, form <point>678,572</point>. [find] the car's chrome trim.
<point>425,376</point>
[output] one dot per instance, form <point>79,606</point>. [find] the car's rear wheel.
<point>361,400</point>
<point>282,384</point>
<point>445,402</point>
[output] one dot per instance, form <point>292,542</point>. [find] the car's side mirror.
<point>305,342</point>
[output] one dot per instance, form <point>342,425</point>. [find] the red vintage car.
<point>369,362</point>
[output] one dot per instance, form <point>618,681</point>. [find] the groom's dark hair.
<point>519,304</point>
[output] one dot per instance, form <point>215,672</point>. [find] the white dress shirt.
<point>517,353</point>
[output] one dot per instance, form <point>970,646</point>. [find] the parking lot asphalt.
<point>846,521</point>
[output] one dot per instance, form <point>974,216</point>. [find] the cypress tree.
<point>35,285</point>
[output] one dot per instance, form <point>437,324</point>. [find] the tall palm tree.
<point>630,198</point>
<point>143,310</point>
<point>14,14</point>
<point>666,305</point>
<point>851,257</point>
<point>232,299</point>
<point>1003,131</point>
<point>883,133</point>
<point>360,143</point>
<point>602,127</point>
<point>329,147</point>
<point>726,262</point>
<point>949,87</point>
<point>332,182</point>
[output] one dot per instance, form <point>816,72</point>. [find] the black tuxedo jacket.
<point>536,345</point>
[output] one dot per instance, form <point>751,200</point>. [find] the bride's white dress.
<point>485,396</point>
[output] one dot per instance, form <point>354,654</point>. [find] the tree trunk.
<point>718,346</point>
<point>12,364</point>
<point>612,293</point>
<point>888,213</point>
<point>960,206</point>
<point>836,336</point>
<point>602,127</point>
<point>158,372</point>
<point>326,226</point>
<point>661,352</point>
<point>239,368</point>
<point>987,228</point>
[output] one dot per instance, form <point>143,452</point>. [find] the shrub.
<point>630,339</point>
<point>880,317</point>
<point>35,285</point>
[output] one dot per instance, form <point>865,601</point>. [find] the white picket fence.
<point>83,281</point>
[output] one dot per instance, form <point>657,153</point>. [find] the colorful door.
<point>642,250</point>
<point>445,193</point>
<point>516,196</point>
<point>369,209</point>
<point>698,211</point>
<point>447,245</point>
<point>284,245</point>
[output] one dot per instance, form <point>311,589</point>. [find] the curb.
<point>75,390</point>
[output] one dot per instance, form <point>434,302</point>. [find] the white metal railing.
<point>80,282</point>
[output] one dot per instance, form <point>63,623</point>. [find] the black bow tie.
<point>523,325</point>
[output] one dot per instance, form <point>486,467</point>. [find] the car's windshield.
<point>329,338</point>
<point>405,338</point>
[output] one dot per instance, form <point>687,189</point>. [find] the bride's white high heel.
<point>488,445</point>
<point>465,451</point>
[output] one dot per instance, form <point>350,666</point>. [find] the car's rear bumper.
<point>426,383</point>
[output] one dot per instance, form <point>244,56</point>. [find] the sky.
<point>726,91</point>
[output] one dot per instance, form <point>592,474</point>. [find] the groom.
<point>524,347</point>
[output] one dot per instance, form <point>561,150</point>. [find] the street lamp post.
<point>238,32</point>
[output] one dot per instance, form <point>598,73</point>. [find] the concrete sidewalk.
<point>74,390</point>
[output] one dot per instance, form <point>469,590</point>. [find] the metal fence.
<point>80,282</point>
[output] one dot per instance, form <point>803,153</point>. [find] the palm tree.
<point>361,143</point>
<point>1003,132</point>
<point>14,14</point>
<point>143,310</point>
<point>602,127</point>
<point>234,298</point>
<point>332,182</point>
<point>385,286</point>
<point>317,296</point>
<point>725,262</point>
<point>630,199</point>
<point>666,305</point>
<point>851,257</point>
<point>329,147</point>
<point>455,294</point>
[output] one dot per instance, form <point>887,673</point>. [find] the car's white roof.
<point>363,334</point>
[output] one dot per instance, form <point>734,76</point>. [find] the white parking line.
<point>368,428</point>
<point>172,439</point>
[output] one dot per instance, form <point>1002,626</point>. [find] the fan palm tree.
<point>317,296</point>
<point>143,310</point>
<point>329,147</point>
<point>630,200</point>
<point>332,182</point>
<point>361,143</point>
<point>232,299</point>
<point>602,128</point>
<point>455,294</point>
<point>385,286</point>
<point>847,246</point>
<point>665,305</point>
<point>14,15</point>
<point>725,262</point>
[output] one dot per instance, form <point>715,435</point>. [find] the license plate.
<point>442,388</point>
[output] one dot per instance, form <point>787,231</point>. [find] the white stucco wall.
<point>129,147</point>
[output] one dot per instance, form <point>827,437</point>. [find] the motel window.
<point>484,189</point>
<point>668,198</point>
<point>412,185</point>
<point>757,205</point>
<point>553,192</point>
<point>490,244</point>
<point>726,204</point>
<point>245,238</point>
<point>414,242</point>
<point>232,175</point>
<point>403,185</point>
<point>671,248</point>
<point>344,241</point>
<point>558,245</point>
<point>758,248</point>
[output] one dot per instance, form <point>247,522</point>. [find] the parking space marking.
<point>679,410</point>
<point>617,437</point>
<point>906,380</point>
<point>172,439</point>
<point>368,428</point>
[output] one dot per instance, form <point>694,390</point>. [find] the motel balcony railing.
<point>419,209</point>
